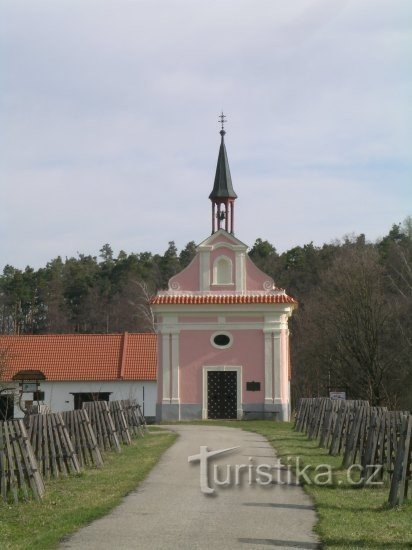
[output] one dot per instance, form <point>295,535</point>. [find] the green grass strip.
<point>74,501</point>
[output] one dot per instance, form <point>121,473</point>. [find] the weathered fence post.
<point>402,471</point>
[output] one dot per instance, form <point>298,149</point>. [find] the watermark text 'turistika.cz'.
<point>293,472</point>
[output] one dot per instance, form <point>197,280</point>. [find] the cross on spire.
<point>222,120</point>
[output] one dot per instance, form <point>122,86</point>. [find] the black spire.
<point>223,196</point>
<point>222,188</point>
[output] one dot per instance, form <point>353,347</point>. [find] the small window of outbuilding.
<point>85,397</point>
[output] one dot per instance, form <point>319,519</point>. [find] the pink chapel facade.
<point>223,343</point>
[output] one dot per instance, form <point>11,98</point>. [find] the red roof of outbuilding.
<point>82,356</point>
<point>223,299</point>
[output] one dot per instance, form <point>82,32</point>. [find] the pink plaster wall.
<point>255,278</point>
<point>222,251</point>
<point>197,319</point>
<point>188,278</point>
<point>196,351</point>
<point>240,319</point>
<point>223,239</point>
<point>223,288</point>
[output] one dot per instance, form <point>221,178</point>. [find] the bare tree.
<point>400,283</point>
<point>346,333</point>
<point>129,308</point>
<point>143,308</point>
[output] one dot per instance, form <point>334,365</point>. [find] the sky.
<point>109,126</point>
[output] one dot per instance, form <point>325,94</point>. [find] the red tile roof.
<point>223,299</point>
<point>82,356</point>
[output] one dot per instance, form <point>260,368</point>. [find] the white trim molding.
<point>268,369</point>
<point>166,368</point>
<point>273,388</point>
<point>204,269</point>
<point>170,363</point>
<point>175,367</point>
<point>240,271</point>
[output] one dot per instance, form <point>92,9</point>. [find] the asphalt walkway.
<point>169,510</point>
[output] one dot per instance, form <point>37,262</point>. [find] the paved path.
<point>168,510</point>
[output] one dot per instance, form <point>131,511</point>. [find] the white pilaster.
<point>175,367</point>
<point>268,368</point>
<point>277,364</point>
<point>166,367</point>
<point>285,366</point>
<point>204,269</point>
<point>240,271</point>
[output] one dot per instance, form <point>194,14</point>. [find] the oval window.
<point>221,340</point>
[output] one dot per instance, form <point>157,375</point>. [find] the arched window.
<point>222,273</point>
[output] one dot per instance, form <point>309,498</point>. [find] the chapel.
<point>223,337</point>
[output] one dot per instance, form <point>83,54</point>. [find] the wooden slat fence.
<point>345,419</point>
<point>132,417</point>
<point>329,420</point>
<point>369,436</point>
<point>354,447</point>
<point>402,475</point>
<point>52,445</point>
<point>19,471</point>
<point>142,419</point>
<point>381,442</point>
<point>42,408</point>
<point>304,414</point>
<point>119,419</point>
<point>103,425</point>
<point>83,438</point>
<point>317,416</point>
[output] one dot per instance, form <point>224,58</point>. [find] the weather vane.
<point>222,120</point>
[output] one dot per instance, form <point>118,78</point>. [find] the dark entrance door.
<point>221,394</point>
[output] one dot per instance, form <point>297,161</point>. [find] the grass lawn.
<point>349,517</point>
<point>74,501</point>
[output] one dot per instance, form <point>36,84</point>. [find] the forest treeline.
<point>352,330</point>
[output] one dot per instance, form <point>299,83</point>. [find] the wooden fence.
<point>402,475</point>
<point>47,444</point>
<point>134,417</point>
<point>52,445</point>
<point>103,425</point>
<point>38,409</point>
<point>142,419</point>
<point>369,436</point>
<point>19,471</point>
<point>119,420</point>
<point>83,438</point>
